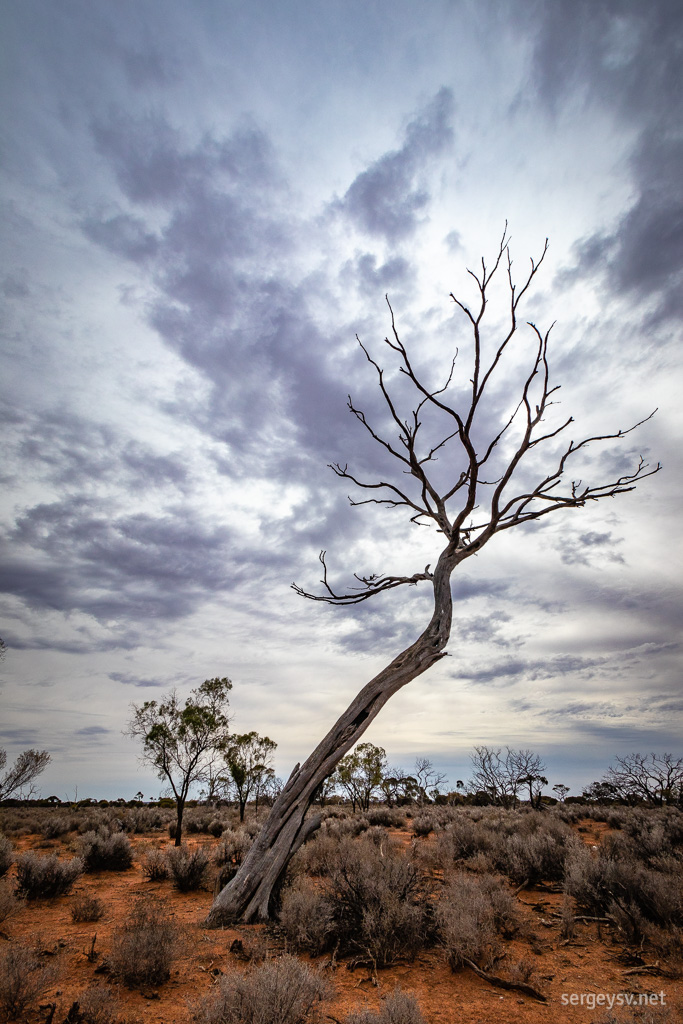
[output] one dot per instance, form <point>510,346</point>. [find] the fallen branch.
<point>651,969</point>
<point>516,986</point>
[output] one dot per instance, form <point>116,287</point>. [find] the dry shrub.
<point>306,917</point>
<point>389,817</point>
<point>378,902</point>
<point>279,991</point>
<point>6,855</point>
<point>145,946</point>
<point>154,865</point>
<point>8,901</point>
<point>472,912</point>
<point>24,976</point>
<point>188,867</point>
<point>86,908</point>
<point>233,847</point>
<point>54,826</point>
<point>44,877</point>
<point>423,823</point>
<point>645,905</point>
<point>317,855</point>
<point>537,849</point>
<point>397,1008</point>
<point>98,1005</point>
<point>104,851</point>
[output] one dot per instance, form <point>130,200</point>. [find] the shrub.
<point>470,915</point>
<point>630,893</point>
<point>317,855</point>
<point>154,865</point>
<point>86,908</point>
<point>43,877</point>
<point>389,817</point>
<point>23,977</point>
<point>397,1008</point>
<point>423,823</point>
<point>6,855</point>
<point>54,826</point>
<point>188,867</point>
<point>377,900</point>
<point>306,917</point>
<point>144,946</point>
<point>98,1005</point>
<point>102,851</point>
<point>279,991</point>
<point>233,847</point>
<point>8,901</point>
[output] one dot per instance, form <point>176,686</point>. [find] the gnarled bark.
<point>247,896</point>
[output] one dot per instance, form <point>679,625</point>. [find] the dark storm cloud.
<point>76,554</point>
<point>580,550</point>
<point>153,165</point>
<point>511,670</point>
<point>627,56</point>
<point>373,280</point>
<point>486,629</point>
<point>125,639</point>
<point>122,235</point>
<point>388,199</point>
<point>226,301</point>
<point>71,451</point>
<point>131,680</point>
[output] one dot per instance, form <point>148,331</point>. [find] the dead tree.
<point>486,493</point>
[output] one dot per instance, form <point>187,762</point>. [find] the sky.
<point>204,204</point>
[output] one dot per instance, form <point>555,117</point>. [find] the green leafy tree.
<point>180,739</point>
<point>249,761</point>
<point>360,773</point>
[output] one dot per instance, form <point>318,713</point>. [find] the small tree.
<point>561,790</point>
<point>179,739</point>
<point>467,475</point>
<point>601,792</point>
<point>360,773</point>
<point>654,778</point>
<point>249,761</point>
<point>428,778</point>
<point>397,786</point>
<point>27,767</point>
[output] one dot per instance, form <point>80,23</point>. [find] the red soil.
<point>589,963</point>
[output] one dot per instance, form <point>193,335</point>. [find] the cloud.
<point>132,680</point>
<point>581,550</point>
<point>74,554</point>
<point>123,235</point>
<point>511,670</point>
<point>387,199</point>
<point>92,731</point>
<point>626,58</point>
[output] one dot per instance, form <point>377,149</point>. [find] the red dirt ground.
<point>589,963</point>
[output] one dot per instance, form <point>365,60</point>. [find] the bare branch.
<point>369,585</point>
<point>457,448</point>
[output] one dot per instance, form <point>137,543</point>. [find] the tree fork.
<point>247,897</point>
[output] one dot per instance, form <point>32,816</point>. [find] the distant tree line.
<point>189,744</point>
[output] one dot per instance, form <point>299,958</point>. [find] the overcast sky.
<point>203,204</point>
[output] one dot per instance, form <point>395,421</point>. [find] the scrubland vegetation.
<point>487,891</point>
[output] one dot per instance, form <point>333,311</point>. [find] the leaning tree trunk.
<point>247,896</point>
